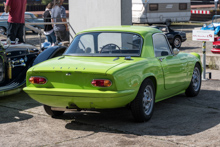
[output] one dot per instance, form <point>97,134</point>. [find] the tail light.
<point>37,80</point>
<point>101,83</point>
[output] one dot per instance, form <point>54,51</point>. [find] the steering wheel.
<point>110,46</point>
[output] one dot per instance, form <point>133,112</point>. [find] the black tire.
<point>2,30</point>
<point>195,84</point>
<point>150,24</point>
<point>143,110</point>
<point>51,112</point>
<point>177,42</point>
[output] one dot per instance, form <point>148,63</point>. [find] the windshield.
<point>106,44</point>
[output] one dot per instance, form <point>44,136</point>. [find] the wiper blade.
<point>116,59</point>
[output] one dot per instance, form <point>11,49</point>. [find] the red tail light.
<point>101,83</point>
<point>37,80</point>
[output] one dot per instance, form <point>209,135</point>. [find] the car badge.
<point>68,74</point>
<point>20,52</point>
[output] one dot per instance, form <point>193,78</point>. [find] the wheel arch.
<point>178,36</point>
<point>153,79</point>
<point>200,66</point>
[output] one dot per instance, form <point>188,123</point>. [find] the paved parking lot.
<point>178,121</point>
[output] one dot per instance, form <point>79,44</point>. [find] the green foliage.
<point>45,2</point>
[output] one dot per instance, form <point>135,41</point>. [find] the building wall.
<point>84,14</point>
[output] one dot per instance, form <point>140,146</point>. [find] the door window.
<point>161,46</point>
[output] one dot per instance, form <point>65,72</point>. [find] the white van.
<point>160,11</point>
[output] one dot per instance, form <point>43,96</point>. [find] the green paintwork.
<point>69,78</point>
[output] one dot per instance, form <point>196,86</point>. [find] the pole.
<point>204,59</point>
<point>40,40</point>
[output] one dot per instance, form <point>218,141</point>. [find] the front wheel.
<point>195,84</point>
<point>51,112</point>
<point>143,105</point>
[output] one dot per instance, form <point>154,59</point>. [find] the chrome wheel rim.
<point>177,42</point>
<point>148,99</point>
<point>196,80</point>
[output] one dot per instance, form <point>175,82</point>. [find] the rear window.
<point>106,44</point>
<point>153,7</point>
<point>183,6</point>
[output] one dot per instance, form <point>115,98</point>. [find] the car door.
<point>174,67</point>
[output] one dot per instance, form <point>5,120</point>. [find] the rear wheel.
<point>195,84</point>
<point>143,105</point>
<point>51,112</point>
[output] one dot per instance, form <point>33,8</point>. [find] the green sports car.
<point>112,67</point>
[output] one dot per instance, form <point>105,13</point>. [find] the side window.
<point>161,46</point>
<point>153,7</point>
<point>86,44</point>
<point>183,6</point>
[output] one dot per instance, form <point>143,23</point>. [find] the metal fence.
<point>40,32</point>
<point>36,7</point>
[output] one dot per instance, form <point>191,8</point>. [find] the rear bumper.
<point>84,99</point>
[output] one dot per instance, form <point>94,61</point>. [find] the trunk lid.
<point>79,64</point>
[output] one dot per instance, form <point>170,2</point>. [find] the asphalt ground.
<point>178,121</point>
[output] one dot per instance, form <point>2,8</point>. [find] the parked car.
<point>175,38</point>
<point>216,46</point>
<point>214,26</point>
<point>29,17</point>
<point>15,59</point>
<point>112,67</point>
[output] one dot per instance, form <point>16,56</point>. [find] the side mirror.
<point>176,51</point>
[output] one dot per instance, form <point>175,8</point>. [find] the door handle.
<point>183,58</point>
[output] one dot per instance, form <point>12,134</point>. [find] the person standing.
<point>58,14</point>
<point>16,9</point>
<point>48,28</point>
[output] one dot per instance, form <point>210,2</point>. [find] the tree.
<point>45,2</point>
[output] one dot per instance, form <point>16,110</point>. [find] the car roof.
<point>142,30</point>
